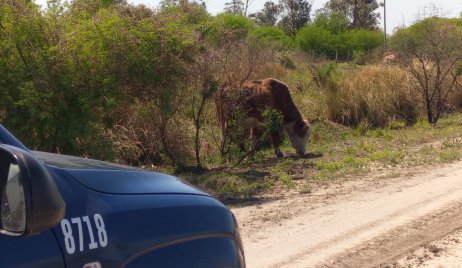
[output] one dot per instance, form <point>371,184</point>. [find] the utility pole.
<point>384,5</point>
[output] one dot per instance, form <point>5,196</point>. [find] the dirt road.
<point>368,222</point>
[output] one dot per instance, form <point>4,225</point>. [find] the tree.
<point>164,4</point>
<point>296,15</point>
<point>204,76</point>
<point>235,7</point>
<point>359,13</point>
<point>330,35</point>
<point>334,23</point>
<point>432,51</point>
<point>269,15</point>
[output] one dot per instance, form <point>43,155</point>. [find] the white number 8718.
<point>70,241</point>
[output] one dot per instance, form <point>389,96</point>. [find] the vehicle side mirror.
<point>30,202</point>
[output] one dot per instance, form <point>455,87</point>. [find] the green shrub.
<point>362,40</point>
<point>272,36</point>
<point>317,40</point>
<point>228,26</point>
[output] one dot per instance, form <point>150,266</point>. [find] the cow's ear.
<point>306,126</point>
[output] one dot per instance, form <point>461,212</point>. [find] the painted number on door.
<point>75,228</point>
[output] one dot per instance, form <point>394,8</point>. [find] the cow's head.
<point>298,133</point>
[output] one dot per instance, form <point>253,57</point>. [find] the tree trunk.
<point>430,113</point>
<point>197,125</point>
<point>163,138</point>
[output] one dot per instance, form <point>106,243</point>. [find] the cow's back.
<point>270,93</point>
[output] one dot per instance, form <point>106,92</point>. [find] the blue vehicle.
<point>63,211</point>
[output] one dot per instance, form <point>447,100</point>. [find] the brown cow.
<point>252,98</point>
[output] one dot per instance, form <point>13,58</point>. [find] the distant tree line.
<point>342,29</point>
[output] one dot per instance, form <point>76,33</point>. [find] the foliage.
<point>228,27</point>
<point>363,40</point>
<point>360,41</point>
<point>166,4</point>
<point>318,39</point>
<point>78,68</point>
<point>234,7</point>
<point>273,37</point>
<point>51,103</point>
<point>296,14</point>
<point>269,15</point>
<point>272,120</point>
<point>334,23</point>
<point>360,14</point>
<point>315,39</point>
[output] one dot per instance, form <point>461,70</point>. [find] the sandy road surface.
<point>361,223</point>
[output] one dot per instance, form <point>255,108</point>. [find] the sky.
<point>399,12</point>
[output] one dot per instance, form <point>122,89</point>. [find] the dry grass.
<point>376,96</point>
<point>137,136</point>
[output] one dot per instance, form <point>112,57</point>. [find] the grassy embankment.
<point>345,153</point>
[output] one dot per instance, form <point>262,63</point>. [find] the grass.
<point>388,156</point>
<point>345,153</point>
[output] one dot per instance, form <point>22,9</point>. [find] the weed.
<point>450,155</point>
<point>427,150</point>
<point>354,162</point>
<point>363,127</point>
<point>366,146</point>
<point>388,156</point>
<point>329,166</point>
<point>306,189</point>
<point>286,180</point>
<point>344,136</point>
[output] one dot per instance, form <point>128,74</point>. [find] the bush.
<point>272,36</point>
<point>317,40</point>
<point>225,27</point>
<point>137,136</point>
<point>377,96</point>
<point>432,51</point>
<point>362,40</point>
<point>335,42</point>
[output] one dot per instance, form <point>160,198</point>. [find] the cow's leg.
<point>253,141</point>
<point>250,124</point>
<point>277,141</point>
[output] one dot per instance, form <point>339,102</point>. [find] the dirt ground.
<point>413,220</point>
